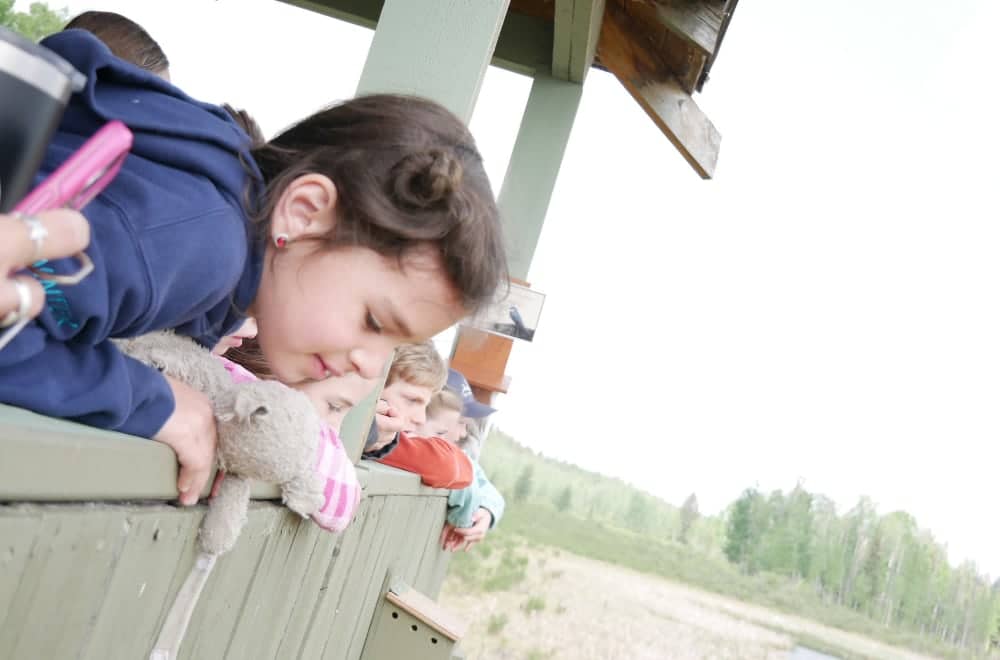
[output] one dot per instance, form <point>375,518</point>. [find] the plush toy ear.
<point>249,406</point>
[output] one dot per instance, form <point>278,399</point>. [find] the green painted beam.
<point>534,166</point>
<point>586,31</point>
<point>577,28</point>
<point>524,46</point>
<point>359,12</point>
<point>562,38</point>
<point>354,429</point>
<point>439,50</point>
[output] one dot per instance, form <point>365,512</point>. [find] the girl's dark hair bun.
<point>426,179</point>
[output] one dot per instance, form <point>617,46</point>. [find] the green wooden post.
<point>438,49</point>
<point>354,429</point>
<point>534,165</point>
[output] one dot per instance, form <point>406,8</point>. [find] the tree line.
<point>883,566</point>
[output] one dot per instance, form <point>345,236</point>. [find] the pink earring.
<point>280,240</point>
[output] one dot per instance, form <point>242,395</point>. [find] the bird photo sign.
<point>516,315</point>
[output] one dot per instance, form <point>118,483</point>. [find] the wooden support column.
<point>524,202</point>
<point>434,48</point>
<point>534,166</point>
<point>577,27</point>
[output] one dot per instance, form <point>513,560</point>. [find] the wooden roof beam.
<point>697,22</point>
<point>574,40</point>
<point>524,45</point>
<point>623,50</point>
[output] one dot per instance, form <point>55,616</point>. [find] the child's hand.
<point>462,538</point>
<point>190,432</point>
<point>388,424</point>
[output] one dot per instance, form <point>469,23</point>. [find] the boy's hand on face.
<point>388,424</point>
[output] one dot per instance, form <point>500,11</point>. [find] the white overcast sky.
<point>825,310</point>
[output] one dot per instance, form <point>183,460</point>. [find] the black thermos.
<point>35,85</point>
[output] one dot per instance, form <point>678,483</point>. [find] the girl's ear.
<point>306,208</point>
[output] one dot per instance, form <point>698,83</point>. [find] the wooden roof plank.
<point>658,92</point>
<point>682,121</point>
<point>695,22</point>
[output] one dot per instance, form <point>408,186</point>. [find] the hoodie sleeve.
<point>439,463</point>
<point>462,504</point>
<point>93,384</point>
<point>490,497</point>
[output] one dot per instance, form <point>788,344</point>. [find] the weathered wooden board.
<point>156,550</point>
<point>95,581</point>
<point>666,102</point>
<point>696,22</point>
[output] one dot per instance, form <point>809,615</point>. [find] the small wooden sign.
<point>515,316</point>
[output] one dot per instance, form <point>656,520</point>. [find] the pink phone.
<point>73,184</point>
<point>84,174</point>
<point>77,181</point>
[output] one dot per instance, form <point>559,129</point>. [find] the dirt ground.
<point>573,608</point>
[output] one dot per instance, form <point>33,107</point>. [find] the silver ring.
<point>23,304</point>
<point>37,232</point>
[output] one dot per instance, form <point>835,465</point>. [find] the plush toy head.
<point>269,432</point>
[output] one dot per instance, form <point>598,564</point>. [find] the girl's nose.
<point>368,362</point>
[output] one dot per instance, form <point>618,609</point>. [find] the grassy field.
<point>537,571</point>
<point>531,601</point>
<point>598,524</point>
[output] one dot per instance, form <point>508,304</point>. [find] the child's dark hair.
<point>249,356</point>
<point>247,123</point>
<point>124,37</point>
<point>407,173</point>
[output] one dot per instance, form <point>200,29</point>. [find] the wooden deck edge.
<point>51,460</point>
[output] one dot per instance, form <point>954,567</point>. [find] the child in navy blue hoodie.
<point>366,225</point>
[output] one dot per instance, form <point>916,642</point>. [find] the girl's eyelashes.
<point>334,408</point>
<point>372,323</point>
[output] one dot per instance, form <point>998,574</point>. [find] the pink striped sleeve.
<point>236,371</point>
<point>342,490</point>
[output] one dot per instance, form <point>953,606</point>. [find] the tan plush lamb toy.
<point>266,432</point>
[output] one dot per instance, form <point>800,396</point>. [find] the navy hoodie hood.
<point>170,240</point>
<point>170,128</point>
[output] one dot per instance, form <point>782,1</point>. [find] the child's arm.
<point>439,463</point>
<point>342,491</point>
<point>481,494</point>
<point>489,497</point>
<point>99,386</point>
<point>92,383</point>
<point>190,432</point>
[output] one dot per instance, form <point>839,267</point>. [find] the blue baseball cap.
<point>470,407</point>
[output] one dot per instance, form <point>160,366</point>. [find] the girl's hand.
<point>463,538</point>
<point>190,432</point>
<point>64,233</point>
